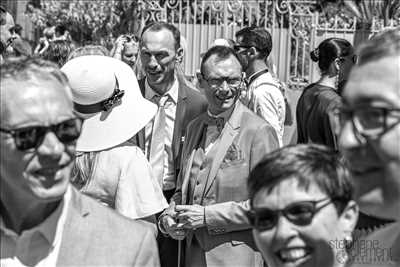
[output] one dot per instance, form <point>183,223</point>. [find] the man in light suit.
<point>179,103</point>
<point>222,146</point>
<point>43,220</point>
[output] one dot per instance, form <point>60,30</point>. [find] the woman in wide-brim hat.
<point>108,166</point>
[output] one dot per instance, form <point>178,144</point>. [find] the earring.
<point>348,240</point>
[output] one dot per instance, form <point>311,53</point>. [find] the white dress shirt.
<point>38,246</point>
<point>168,181</point>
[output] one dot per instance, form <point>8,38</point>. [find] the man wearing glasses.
<point>43,220</point>
<point>370,138</point>
<point>222,146</point>
<point>263,95</point>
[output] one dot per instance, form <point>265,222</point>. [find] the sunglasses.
<point>32,137</point>
<point>298,213</point>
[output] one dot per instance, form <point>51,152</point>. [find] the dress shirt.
<point>266,100</point>
<point>169,181</point>
<point>38,246</point>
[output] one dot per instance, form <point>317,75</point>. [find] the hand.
<point>172,228</point>
<point>119,43</point>
<point>191,216</point>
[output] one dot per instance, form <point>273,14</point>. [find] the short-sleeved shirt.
<point>123,180</point>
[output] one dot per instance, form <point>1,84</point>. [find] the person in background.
<point>263,95</point>
<point>44,221</point>
<point>108,167</point>
<point>19,45</point>
<point>178,103</point>
<point>58,52</point>
<point>369,139</point>
<point>126,48</point>
<point>302,207</point>
<point>315,124</point>
<point>222,146</point>
<point>88,50</point>
<point>44,41</point>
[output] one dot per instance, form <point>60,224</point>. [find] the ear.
<point>200,79</point>
<point>252,51</point>
<point>179,55</point>
<point>348,218</point>
<point>337,64</point>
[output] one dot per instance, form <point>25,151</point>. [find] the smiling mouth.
<point>49,171</point>
<point>290,255</point>
<point>224,98</point>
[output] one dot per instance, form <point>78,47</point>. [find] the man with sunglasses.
<point>370,138</point>
<point>43,220</point>
<point>263,95</point>
<point>302,210</point>
<point>222,146</point>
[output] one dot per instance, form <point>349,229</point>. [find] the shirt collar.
<point>250,78</point>
<point>225,115</point>
<point>52,225</point>
<point>172,92</point>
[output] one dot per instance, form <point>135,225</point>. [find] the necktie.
<point>158,139</point>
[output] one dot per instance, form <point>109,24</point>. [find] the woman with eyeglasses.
<point>301,207</point>
<point>335,57</point>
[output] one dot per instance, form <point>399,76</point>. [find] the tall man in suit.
<point>222,146</point>
<point>44,221</point>
<point>178,102</point>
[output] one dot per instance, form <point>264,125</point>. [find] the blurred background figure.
<point>44,41</point>
<point>108,167</point>
<point>315,124</point>
<point>88,50</point>
<point>58,52</point>
<point>302,207</point>
<point>19,45</point>
<point>369,139</point>
<point>126,48</point>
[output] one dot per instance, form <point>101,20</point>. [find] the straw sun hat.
<point>106,93</point>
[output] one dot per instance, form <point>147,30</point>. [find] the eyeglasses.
<point>369,122</point>
<point>231,82</point>
<point>32,137</point>
<point>299,213</point>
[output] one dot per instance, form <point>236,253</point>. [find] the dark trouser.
<point>168,247</point>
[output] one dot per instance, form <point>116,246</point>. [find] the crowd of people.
<point>115,158</point>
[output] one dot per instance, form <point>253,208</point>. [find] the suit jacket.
<point>95,235</point>
<point>191,103</point>
<point>244,141</point>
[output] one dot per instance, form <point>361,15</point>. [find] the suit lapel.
<point>194,144</point>
<point>229,133</point>
<point>76,231</point>
<point>179,120</point>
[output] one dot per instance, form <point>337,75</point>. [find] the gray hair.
<point>34,69</point>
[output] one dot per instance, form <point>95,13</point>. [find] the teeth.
<point>293,254</point>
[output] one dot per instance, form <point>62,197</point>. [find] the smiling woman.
<point>301,203</point>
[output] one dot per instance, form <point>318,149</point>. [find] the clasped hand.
<point>185,217</point>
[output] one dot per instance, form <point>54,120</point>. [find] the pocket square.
<point>233,154</point>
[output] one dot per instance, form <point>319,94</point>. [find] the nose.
<point>51,147</point>
<point>284,230</point>
<point>347,138</point>
<point>152,62</point>
<point>224,87</point>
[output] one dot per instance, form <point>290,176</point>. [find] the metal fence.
<point>295,26</point>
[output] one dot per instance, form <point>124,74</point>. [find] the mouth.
<point>224,98</point>
<point>294,254</point>
<point>49,171</point>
